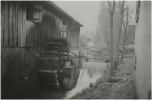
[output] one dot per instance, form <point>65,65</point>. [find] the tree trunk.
<point>111,31</point>
<point>123,49</point>
<point>124,39</point>
<point>117,37</point>
<point>111,12</point>
<point>120,19</point>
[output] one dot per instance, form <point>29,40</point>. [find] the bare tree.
<point>125,24</point>
<point>103,30</point>
<point>111,9</point>
<point>121,15</point>
<point>121,11</point>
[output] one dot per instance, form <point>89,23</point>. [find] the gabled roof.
<point>49,5</point>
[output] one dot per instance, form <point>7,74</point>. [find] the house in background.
<point>143,49</point>
<point>90,38</point>
<point>25,26</point>
<point>83,41</point>
<point>130,42</point>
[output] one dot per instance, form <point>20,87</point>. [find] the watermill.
<point>54,53</point>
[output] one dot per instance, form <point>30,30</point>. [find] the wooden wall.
<point>17,31</point>
<point>15,27</point>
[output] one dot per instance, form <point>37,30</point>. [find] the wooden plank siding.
<point>18,25</point>
<point>18,31</point>
<point>21,24</point>
<point>10,24</point>
<point>6,25</point>
<point>2,23</point>
<point>14,26</point>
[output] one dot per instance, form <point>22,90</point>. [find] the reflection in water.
<point>89,73</point>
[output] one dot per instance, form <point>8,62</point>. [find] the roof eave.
<point>51,4</point>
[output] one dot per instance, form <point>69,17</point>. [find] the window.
<point>37,13</point>
<point>34,13</point>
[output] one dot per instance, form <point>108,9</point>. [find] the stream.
<point>89,73</point>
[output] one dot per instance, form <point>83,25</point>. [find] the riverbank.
<point>122,88</point>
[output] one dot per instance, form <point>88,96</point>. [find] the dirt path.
<point>104,89</point>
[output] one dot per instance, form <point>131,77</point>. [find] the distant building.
<point>131,34</point>
<point>90,38</point>
<point>83,41</point>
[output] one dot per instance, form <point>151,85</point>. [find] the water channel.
<point>90,72</point>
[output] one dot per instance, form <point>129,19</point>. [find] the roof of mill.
<point>51,6</point>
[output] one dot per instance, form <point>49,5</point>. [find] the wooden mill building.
<point>25,25</point>
<point>28,24</point>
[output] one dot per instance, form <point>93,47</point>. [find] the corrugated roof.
<point>51,6</point>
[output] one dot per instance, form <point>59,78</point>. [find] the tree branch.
<point>127,8</point>
<point>109,6</point>
<point>123,24</point>
<point>130,18</point>
<point>124,14</point>
<point>131,11</point>
<point>113,6</point>
<point>122,6</point>
<point>128,13</point>
<point>108,10</point>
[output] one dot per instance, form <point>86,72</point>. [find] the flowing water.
<point>89,73</point>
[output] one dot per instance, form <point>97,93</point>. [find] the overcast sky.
<point>85,12</point>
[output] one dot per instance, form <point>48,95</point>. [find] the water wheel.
<point>53,54</point>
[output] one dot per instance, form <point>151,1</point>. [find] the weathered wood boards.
<point>18,31</point>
